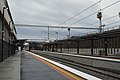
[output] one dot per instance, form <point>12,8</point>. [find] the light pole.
<point>99,16</point>
<point>56,35</point>
<point>68,38</point>
<point>48,33</point>
<point>69,33</point>
<point>3,33</point>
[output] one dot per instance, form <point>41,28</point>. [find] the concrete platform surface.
<point>10,68</point>
<point>33,69</point>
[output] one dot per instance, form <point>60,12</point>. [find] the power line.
<point>104,19</point>
<point>110,17</point>
<point>95,12</point>
<point>112,23</point>
<point>81,12</point>
<point>82,19</point>
<point>110,5</point>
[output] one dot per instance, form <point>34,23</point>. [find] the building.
<point>106,43</point>
<point>7,32</point>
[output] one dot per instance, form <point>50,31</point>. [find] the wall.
<point>0,29</point>
<point>9,32</point>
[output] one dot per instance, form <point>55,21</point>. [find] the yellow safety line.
<point>65,73</point>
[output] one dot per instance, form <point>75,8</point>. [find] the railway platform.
<point>10,68</point>
<point>34,69</point>
<point>106,68</point>
<point>29,66</point>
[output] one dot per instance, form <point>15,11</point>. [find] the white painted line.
<point>74,71</point>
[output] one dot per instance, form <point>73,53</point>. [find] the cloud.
<point>54,12</point>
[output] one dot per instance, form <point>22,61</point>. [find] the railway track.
<point>104,74</point>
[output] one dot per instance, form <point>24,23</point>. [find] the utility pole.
<point>99,16</point>
<point>57,35</point>
<point>48,33</point>
<point>69,33</point>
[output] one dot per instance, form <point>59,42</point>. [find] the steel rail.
<point>105,72</point>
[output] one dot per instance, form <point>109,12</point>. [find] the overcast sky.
<point>55,12</point>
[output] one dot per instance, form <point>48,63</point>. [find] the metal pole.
<point>48,33</point>
<point>100,26</point>
<point>99,16</point>
<point>69,33</point>
<point>56,47</point>
<point>57,35</point>
<point>91,46</point>
<point>61,48</point>
<point>68,45</point>
<point>105,45</point>
<point>78,47</point>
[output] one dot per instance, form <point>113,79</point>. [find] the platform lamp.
<point>3,34</point>
<point>69,32</point>
<point>99,16</point>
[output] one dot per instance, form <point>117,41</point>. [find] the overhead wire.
<point>104,19</point>
<point>82,19</point>
<point>112,23</point>
<point>95,12</point>
<point>81,12</point>
<point>110,17</point>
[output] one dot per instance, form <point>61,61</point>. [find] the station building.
<point>7,32</point>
